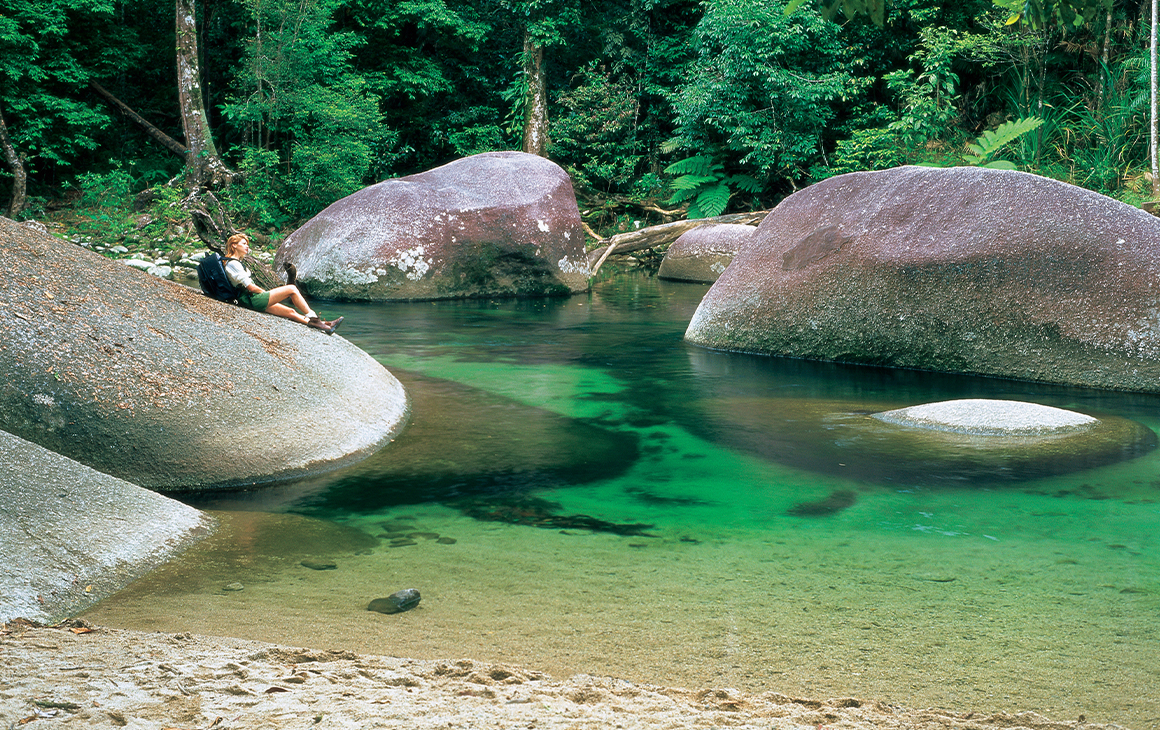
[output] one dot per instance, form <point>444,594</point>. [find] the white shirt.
<point>237,274</point>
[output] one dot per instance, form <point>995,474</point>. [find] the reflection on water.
<point>591,494</point>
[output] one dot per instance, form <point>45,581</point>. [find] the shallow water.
<point>751,529</point>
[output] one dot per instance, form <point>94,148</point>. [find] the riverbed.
<point>580,491</point>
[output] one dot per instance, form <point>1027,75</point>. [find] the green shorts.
<point>257,302</point>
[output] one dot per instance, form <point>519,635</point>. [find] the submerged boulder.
<point>70,535</point>
<point>964,270</point>
<point>495,224</point>
<point>155,383</point>
<point>703,253</point>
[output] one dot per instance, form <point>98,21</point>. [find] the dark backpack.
<point>211,274</point>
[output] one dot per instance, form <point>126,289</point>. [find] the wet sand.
<point>92,677</point>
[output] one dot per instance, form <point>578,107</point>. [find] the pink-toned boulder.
<point>500,224</point>
<point>703,253</point>
<point>963,270</point>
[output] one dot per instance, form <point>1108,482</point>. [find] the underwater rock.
<point>703,253</point>
<point>962,270</point>
<point>537,512</point>
<point>837,501</point>
<point>490,225</point>
<point>397,602</point>
<point>501,447</point>
<point>1009,438</point>
<point>319,564</point>
<point>848,438</point>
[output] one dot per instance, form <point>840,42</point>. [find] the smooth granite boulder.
<point>157,384</point>
<point>992,418</point>
<point>500,224</point>
<point>964,270</point>
<point>703,253</point>
<point>70,535</point>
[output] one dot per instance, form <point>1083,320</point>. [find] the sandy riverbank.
<point>72,676</point>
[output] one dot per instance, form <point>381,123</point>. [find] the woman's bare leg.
<point>289,291</point>
<point>283,311</point>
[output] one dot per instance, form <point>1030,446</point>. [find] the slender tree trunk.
<point>19,175</point>
<point>202,163</point>
<point>1152,147</point>
<point>536,121</point>
<point>1105,72</point>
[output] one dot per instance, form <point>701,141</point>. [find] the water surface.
<point>581,491</point>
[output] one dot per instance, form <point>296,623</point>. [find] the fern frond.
<point>701,165</point>
<point>991,141</point>
<point>692,182</point>
<point>713,201</point>
<point>745,183</point>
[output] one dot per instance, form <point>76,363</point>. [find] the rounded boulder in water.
<point>703,253</point>
<point>960,270</point>
<point>155,383</point>
<point>397,602</point>
<point>498,224</point>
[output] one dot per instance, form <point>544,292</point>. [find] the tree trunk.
<point>1154,159</point>
<point>204,167</point>
<point>536,121</point>
<point>1105,72</point>
<point>19,175</point>
<point>1152,122</point>
<point>666,233</point>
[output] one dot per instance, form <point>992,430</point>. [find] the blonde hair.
<point>233,241</point>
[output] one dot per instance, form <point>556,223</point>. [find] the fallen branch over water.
<point>653,236</point>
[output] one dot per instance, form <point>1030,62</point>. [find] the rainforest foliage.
<point>658,108</point>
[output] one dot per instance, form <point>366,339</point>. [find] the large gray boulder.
<point>495,224</point>
<point>70,535</point>
<point>962,270</point>
<point>702,254</point>
<point>153,382</point>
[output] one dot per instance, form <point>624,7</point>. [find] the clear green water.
<point>962,579</point>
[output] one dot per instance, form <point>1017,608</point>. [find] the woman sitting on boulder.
<point>254,297</point>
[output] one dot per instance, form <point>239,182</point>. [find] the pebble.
<point>234,587</point>
<point>446,541</point>
<point>397,602</point>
